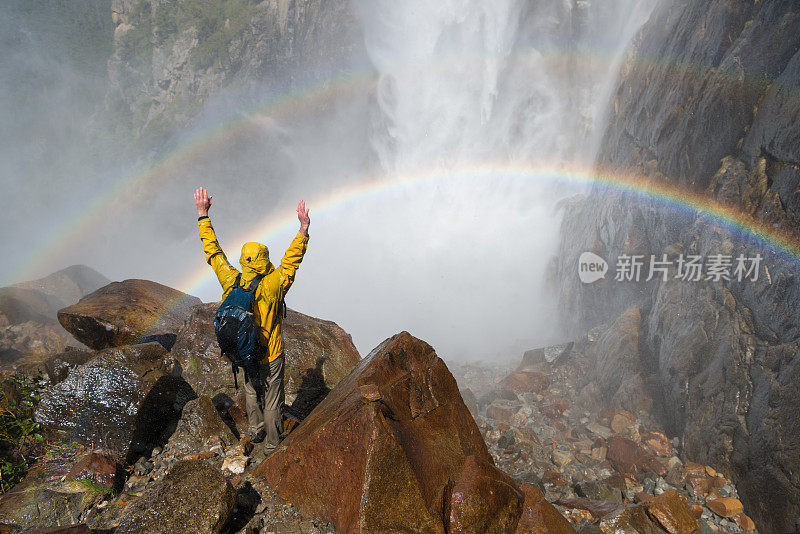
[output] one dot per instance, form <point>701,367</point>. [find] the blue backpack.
<point>237,333</point>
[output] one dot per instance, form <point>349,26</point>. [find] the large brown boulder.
<point>123,399</point>
<point>318,355</point>
<point>538,515</point>
<point>388,450</point>
<point>128,312</point>
<point>627,456</point>
<point>192,497</point>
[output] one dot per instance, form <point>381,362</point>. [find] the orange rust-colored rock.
<point>659,444</point>
<point>725,506</point>
<point>628,457</point>
<point>400,463</point>
<point>598,509</point>
<point>695,469</point>
<point>484,499</point>
<point>526,382</point>
<point>128,312</point>
<point>673,513</point>
<point>539,516</point>
<point>744,522</point>
<point>700,484</point>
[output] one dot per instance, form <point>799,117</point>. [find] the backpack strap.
<point>238,279</point>
<point>255,282</point>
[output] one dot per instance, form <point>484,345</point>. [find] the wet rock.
<point>709,130</point>
<point>192,497</point>
<point>634,519</point>
<point>598,491</point>
<point>68,529</point>
<point>121,400</point>
<point>318,355</point>
<point>744,522</point>
<point>97,467</point>
<point>725,506</point>
<point>628,457</point>
<point>59,366</point>
<point>25,347</point>
<point>618,371</point>
<point>672,512</point>
<point>676,476</point>
<point>391,464</point>
<point>128,312</point>
<point>538,515</point>
<point>598,509</point>
<point>48,495</point>
<point>484,499</point>
<point>199,422</point>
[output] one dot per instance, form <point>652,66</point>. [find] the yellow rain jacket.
<point>273,287</point>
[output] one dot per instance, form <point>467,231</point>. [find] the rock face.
<point>703,103</point>
<point>192,497</point>
<point>128,312</point>
<point>318,355</point>
<point>393,447</point>
<point>123,399</point>
<point>182,55</point>
<point>199,422</point>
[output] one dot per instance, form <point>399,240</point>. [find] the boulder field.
<point>151,436</point>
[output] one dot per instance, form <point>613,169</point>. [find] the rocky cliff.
<point>708,101</point>
<point>170,58</point>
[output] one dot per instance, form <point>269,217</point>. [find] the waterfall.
<point>464,82</point>
<point>466,85</point>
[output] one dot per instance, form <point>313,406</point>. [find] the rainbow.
<point>772,239</point>
<point>69,231</point>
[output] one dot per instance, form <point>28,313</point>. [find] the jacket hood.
<point>255,259</point>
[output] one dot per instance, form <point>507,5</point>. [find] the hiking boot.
<point>258,437</point>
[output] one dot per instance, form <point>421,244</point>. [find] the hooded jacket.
<point>273,287</point>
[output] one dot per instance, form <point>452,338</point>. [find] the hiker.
<point>271,285</point>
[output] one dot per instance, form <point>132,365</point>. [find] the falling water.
<point>469,83</point>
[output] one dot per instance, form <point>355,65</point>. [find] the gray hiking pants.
<point>268,418</point>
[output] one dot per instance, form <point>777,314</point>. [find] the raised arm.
<point>226,274</point>
<point>294,254</point>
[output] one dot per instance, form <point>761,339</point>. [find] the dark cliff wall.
<point>171,58</point>
<point>708,99</point>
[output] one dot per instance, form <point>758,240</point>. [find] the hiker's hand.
<point>202,201</point>
<point>302,216</point>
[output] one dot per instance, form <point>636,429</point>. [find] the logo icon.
<point>591,267</point>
